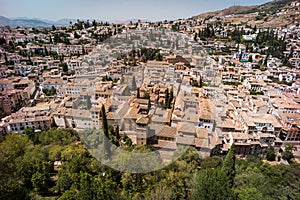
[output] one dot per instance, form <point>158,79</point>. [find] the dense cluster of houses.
<point>187,98</point>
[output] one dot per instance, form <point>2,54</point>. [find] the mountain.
<point>227,11</point>
<point>36,22</point>
<point>65,21</point>
<point>273,5</point>
<point>272,14</point>
<point>22,22</point>
<point>4,20</point>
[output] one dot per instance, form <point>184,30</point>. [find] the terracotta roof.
<point>185,140</point>
<point>141,101</point>
<point>186,127</point>
<point>53,82</point>
<point>206,110</point>
<point>240,136</point>
<point>143,120</point>
<point>165,144</point>
<point>167,131</point>
<point>132,113</point>
<point>202,133</point>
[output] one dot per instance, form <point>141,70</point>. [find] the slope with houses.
<point>211,82</point>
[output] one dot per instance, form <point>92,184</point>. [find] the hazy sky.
<point>114,9</point>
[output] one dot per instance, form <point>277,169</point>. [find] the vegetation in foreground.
<point>27,172</point>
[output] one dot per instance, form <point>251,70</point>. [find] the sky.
<point>154,10</point>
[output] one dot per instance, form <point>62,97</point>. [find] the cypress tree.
<point>250,59</point>
<point>133,83</point>
<point>229,167</point>
<point>170,99</point>
<point>266,60</point>
<point>167,98</point>
<point>53,28</point>
<point>118,132</point>
<point>138,93</point>
<point>201,82</point>
<point>46,51</point>
<point>240,56</point>
<point>104,121</point>
<point>5,58</point>
<point>149,105</point>
<point>83,50</point>
<point>106,141</point>
<point>209,184</point>
<point>88,102</point>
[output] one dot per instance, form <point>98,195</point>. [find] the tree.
<point>53,28</point>
<point>46,51</point>
<point>229,166</point>
<point>94,23</point>
<point>167,97</point>
<point>112,135</point>
<point>64,67</point>
<point>211,184</point>
<point>76,35</point>
<point>118,132</point>
<point>266,60</point>
<point>14,174</point>
<point>149,105</point>
<point>195,37</point>
<point>104,121</point>
<point>250,58</point>
<point>5,59</point>
<point>250,194</point>
<point>138,93</point>
<point>83,50</point>
<point>2,41</point>
<point>146,95</point>
<point>56,38</point>
<point>127,140</point>
<point>88,102</point>
<point>201,82</point>
<point>133,86</point>
<point>69,195</point>
<point>211,162</point>
<point>287,154</point>
<point>271,156</point>
<point>29,131</point>
<point>41,178</point>
<point>240,56</point>
<point>106,132</point>
<point>52,91</point>
<point>86,189</point>
<point>158,57</point>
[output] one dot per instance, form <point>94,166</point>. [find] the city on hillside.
<point>220,83</point>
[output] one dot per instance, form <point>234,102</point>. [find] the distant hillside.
<point>270,6</point>
<point>36,22</point>
<point>22,22</point>
<point>228,11</point>
<point>65,21</point>
<point>273,5</point>
<point>271,14</point>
